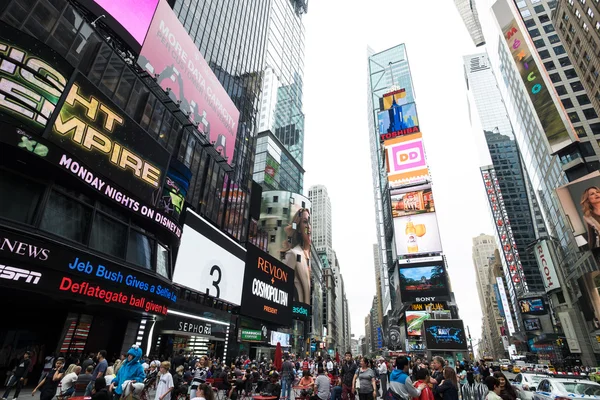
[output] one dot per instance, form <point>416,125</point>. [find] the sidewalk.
<point>26,393</point>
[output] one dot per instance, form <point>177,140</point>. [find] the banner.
<point>91,127</point>
<point>546,265</point>
<point>171,55</point>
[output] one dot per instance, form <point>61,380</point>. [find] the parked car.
<point>571,388</point>
<point>526,383</point>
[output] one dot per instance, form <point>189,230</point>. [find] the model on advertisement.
<point>590,206</point>
<point>297,253</point>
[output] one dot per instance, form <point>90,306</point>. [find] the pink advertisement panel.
<point>171,55</point>
<point>406,162</point>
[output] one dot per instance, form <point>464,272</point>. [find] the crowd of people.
<point>186,376</point>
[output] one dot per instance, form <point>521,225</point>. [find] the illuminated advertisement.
<point>412,202</point>
<point>391,99</point>
<point>398,121</point>
<point>546,264</point>
<point>414,322</point>
<point>32,79</point>
<point>92,128</point>
<point>268,290</point>
<point>405,159</point>
<point>559,131</point>
<point>286,217</point>
<point>171,55</point>
<point>279,337</point>
<point>504,299</point>
<point>417,234</point>
<point>532,324</point>
<point>130,19</point>
<point>580,200</point>
<point>568,327</point>
<point>41,265</point>
<point>445,335</point>
<point>533,306</point>
<point>40,147</point>
<point>271,170</point>
<point>209,262</point>
<point>175,189</point>
<point>423,282</point>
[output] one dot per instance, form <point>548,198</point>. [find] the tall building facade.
<point>379,283</point>
<point>281,101</point>
<point>468,12</point>
<point>321,220</point>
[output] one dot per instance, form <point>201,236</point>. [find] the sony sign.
<point>544,260</point>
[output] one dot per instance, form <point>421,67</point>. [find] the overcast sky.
<point>337,138</point>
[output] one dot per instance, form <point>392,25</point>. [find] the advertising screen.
<point>445,335</point>
<point>405,159</point>
<point>423,282</point>
<point>395,98</point>
<point>534,306</point>
<point>286,216</point>
<point>579,202</point>
<point>171,55</point>
<point>559,131</point>
<point>398,121</point>
<point>532,324</point>
<point>281,338</point>
<point>130,19</point>
<point>32,79</point>
<point>268,289</point>
<point>417,234</point>
<point>91,127</point>
<point>412,202</point>
<point>414,322</point>
<point>209,262</point>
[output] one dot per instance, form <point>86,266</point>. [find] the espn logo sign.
<point>18,274</point>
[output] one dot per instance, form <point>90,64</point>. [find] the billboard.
<point>417,234</point>
<point>559,131</point>
<point>32,79</point>
<point>532,324</point>
<point>391,99</point>
<point>412,202</point>
<point>281,338</point>
<point>445,334</point>
<point>405,160</point>
<point>268,289</point>
<point>91,127</point>
<point>286,216</point>
<point>209,262</point>
<point>423,282</point>
<point>130,19</point>
<point>173,57</point>
<point>398,121</point>
<point>546,265</point>
<point>505,306</point>
<point>580,200</point>
<point>533,306</point>
<point>571,336</point>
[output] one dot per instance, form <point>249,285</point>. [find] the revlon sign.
<point>544,260</point>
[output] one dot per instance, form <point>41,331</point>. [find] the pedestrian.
<point>200,374</point>
<point>98,371</point>
<point>322,386</point>
<point>165,382</point>
<point>349,369</point>
<point>87,362</point>
<point>204,392</point>
<point>493,385</point>
<point>473,390</point>
<point>49,383</point>
<point>422,375</point>
<point>48,365</point>
<point>287,377</point>
<point>364,381</point>
<point>448,388</point>
<point>18,377</point>
<point>437,374</point>
<point>507,392</point>
<point>83,380</point>
<point>66,387</point>
<point>383,376</point>
<point>130,370</point>
<point>401,386</point>
<point>100,390</point>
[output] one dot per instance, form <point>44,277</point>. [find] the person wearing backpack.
<point>401,386</point>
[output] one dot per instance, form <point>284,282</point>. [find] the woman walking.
<point>448,388</point>
<point>365,376</point>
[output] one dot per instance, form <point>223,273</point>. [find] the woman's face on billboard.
<point>594,196</point>
<point>305,226</point>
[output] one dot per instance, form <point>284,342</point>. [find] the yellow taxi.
<point>516,369</point>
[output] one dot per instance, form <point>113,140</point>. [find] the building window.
<point>24,198</point>
<point>580,130</point>
<point>534,32</point>
<point>574,117</point>
<point>539,43</point>
<point>590,113</point>
<point>564,62</point>
<point>109,236</point>
<point>67,217</point>
<point>529,23</point>
<point>576,86</point>
<point>567,103</point>
<point>544,54</point>
<point>558,50</point>
<point>549,66</point>
<point>587,150</point>
<point>525,13</point>
<point>272,238</point>
<point>598,25</point>
<point>561,90</point>
<point>590,12</point>
<point>269,210</point>
<point>275,199</point>
<point>521,4</point>
<point>595,127</point>
<point>549,28</point>
<point>582,1</point>
<point>539,9</point>
<point>554,39</point>
<point>555,77</point>
<point>570,73</point>
<point>585,28</point>
<point>544,18</point>
<point>577,14</point>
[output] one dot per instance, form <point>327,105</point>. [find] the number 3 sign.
<point>209,262</point>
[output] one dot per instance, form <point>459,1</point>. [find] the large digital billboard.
<point>173,57</point>
<point>405,160</point>
<point>423,282</point>
<point>558,129</point>
<point>209,262</point>
<point>533,306</point>
<point>395,98</point>
<point>412,202</point>
<point>445,334</point>
<point>417,234</point>
<point>268,290</point>
<point>398,121</point>
<point>580,200</point>
<point>414,322</point>
<point>130,19</point>
<point>286,216</point>
<point>90,126</point>
<point>32,79</point>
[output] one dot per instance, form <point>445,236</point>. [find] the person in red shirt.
<point>422,376</point>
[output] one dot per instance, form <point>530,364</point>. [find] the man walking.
<point>437,374</point>
<point>99,371</point>
<point>347,375</point>
<point>383,376</point>
<point>18,377</point>
<point>287,378</point>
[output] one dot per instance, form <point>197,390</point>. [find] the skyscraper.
<point>468,12</point>
<point>322,232</point>
<point>379,283</point>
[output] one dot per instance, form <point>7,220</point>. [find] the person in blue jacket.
<point>130,370</point>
